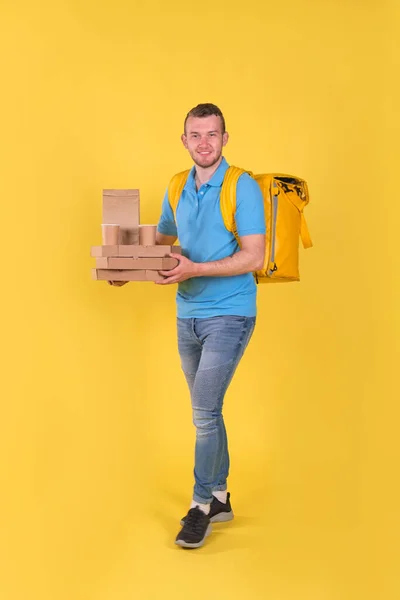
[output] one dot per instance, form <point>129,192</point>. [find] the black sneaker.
<point>219,512</point>
<point>195,529</point>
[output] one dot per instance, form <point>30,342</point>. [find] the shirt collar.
<point>215,181</point>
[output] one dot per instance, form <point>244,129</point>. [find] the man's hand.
<point>117,283</point>
<point>185,270</point>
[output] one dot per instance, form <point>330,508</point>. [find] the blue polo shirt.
<point>204,238</point>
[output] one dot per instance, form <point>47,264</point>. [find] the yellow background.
<point>96,441</point>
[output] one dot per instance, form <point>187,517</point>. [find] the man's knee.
<point>206,421</point>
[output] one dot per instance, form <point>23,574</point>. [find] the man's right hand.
<point>117,283</point>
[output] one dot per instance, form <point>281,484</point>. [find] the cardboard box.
<point>154,276</point>
<point>147,251</point>
<point>99,251</point>
<point>102,262</point>
<point>158,264</point>
<point>133,251</point>
<point>123,208</point>
<point>126,275</point>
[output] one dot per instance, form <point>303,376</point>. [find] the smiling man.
<point>216,303</point>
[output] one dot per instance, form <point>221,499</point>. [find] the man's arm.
<point>165,240</point>
<point>249,258</point>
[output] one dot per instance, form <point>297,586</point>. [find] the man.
<point>216,303</point>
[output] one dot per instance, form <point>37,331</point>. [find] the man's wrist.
<point>198,269</point>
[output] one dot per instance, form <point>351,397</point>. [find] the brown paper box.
<point>98,251</point>
<point>102,262</point>
<point>154,276</point>
<point>113,275</point>
<point>133,251</point>
<point>147,251</point>
<point>122,207</point>
<point>160,264</point>
<point>126,275</point>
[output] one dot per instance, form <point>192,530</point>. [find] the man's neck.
<point>204,175</point>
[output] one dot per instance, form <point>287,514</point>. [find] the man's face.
<point>204,140</point>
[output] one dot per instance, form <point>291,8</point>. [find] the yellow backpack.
<point>285,197</point>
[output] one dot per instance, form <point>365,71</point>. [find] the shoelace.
<point>194,520</point>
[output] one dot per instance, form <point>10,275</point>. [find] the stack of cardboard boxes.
<point>129,251</point>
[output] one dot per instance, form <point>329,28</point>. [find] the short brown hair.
<point>205,110</point>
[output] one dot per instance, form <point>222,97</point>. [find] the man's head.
<point>204,134</point>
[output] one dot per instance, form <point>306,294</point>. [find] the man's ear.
<point>225,138</point>
<point>184,140</point>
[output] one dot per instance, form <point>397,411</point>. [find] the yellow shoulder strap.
<point>228,198</point>
<point>175,188</point>
<point>304,233</point>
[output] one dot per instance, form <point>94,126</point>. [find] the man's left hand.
<point>185,270</point>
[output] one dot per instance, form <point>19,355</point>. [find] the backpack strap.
<point>304,233</point>
<point>228,198</point>
<point>175,189</point>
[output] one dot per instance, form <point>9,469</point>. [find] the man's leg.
<point>224,340</point>
<point>189,350</point>
<point>210,351</point>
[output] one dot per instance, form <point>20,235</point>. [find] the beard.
<point>206,161</point>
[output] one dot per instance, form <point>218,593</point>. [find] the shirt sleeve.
<point>249,216</point>
<point>166,224</point>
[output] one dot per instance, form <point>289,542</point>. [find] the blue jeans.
<point>210,350</point>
